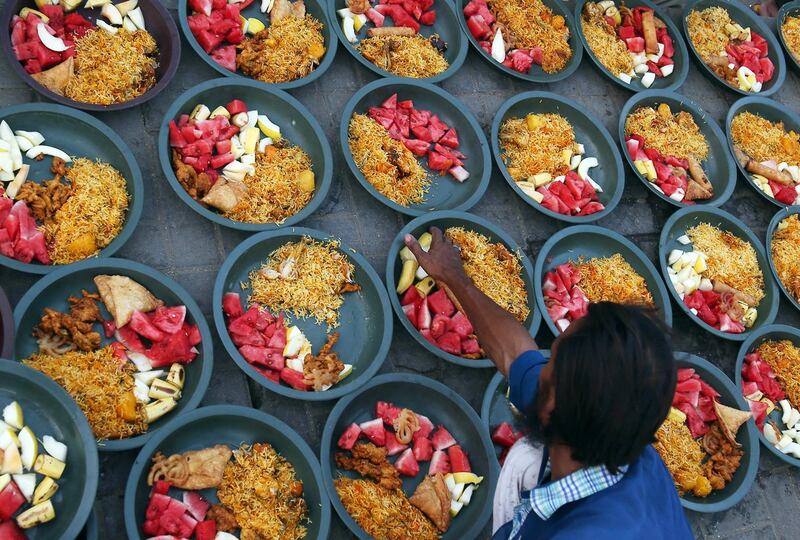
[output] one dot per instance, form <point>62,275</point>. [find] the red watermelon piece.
<point>458,459</point>
<point>349,437</point>
<point>374,431</point>
<point>196,504</point>
<point>442,439</point>
<point>440,463</point>
<point>406,464</point>
<point>423,449</point>
<point>393,446</point>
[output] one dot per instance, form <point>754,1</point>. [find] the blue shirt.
<point>641,503</point>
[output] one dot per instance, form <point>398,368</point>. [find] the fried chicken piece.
<point>724,457</point>
<point>196,185</point>
<point>58,166</point>
<point>85,308</point>
<point>280,9</point>
<point>66,329</point>
<point>196,469</point>
<point>349,287</point>
<point>433,498</point>
<point>322,371</point>
<point>370,461</point>
<point>47,198</point>
<point>224,518</point>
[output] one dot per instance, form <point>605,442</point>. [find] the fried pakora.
<point>370,460</point>
<point>322,370</point>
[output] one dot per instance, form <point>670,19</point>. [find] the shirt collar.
<point>546,499</point>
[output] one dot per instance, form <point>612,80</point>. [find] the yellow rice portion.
<point>763,140</point>
<point>613,279</point>
<point>113,68</point>
<point>707,31</point>
<point>405,56</point>
<point>527,152</point>
<point>98,384</point>
<point>730,259</point>
<point>401,179</point>
<point>676,135</point>
<point>92,216</point>
<point>786,254</point>
<point>791,36</point>
<point>494,269</point>
<point>272,192</point>
<point>256,486</point>
<point>683,457</point>
<point>322,270</point>
<point>606,46</point>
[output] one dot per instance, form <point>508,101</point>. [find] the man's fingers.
<point>414,246</point>
<point>436,236</point>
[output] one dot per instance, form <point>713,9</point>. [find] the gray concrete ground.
<point>174,239</point>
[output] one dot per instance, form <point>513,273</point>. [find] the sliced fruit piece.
<point>11,499</point>
<point>440,463</point>
<point>46,489</point>
<point>455,508</point>
<point>26,484</point>
<point>442,439</point>
<point>393,446</point>
<point>423,449</point>
<point>12,415</point>
<point>29,447</point>
<point>196,504</point>
<point>467,477</point>
<point>406,464</point>
<point>12,462</point>
<point>459,461</point>
<point>349,437</point>
<point>374,431</point>
<point>36,515</point>
<point>49,466</point>
<point>157,409</point>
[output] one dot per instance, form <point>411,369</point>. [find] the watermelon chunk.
<point>201,6</point>
<point>425,426</point>
<point>450,138</point>
<point>423,449</point>
<point>440,463</point>
<point>438,162</point>
<point>226,57</point>
<point>158,504</point>
<point>504,435</point>
<point>232,305</point>
<point>411,312</point>
<point>196,504</point>
<point>387,412</point>
<point>439,325</point>
<point>294,379</point>
<point>470,346</point>
<point>442,439</point>
<point>450,342</point>
<point>393,446</point>
<point>206,530</point>
<point>440,303</point>
<point>161,486</point>
<point>169,319</point>
<point>9,530</point>
<point>390,102</point>
<point>349,437</point>
<point>407,464</point>
<point>374,431</point>
<point>461,325</point>
<point>423,316</point>
<point>141,324</point>
<point>11,500</point>
<point>411,296</point>
<point>458,459</point>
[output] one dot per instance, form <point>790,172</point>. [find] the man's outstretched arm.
<point>502,337</point>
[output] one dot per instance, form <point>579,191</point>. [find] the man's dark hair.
<point>614,378</point>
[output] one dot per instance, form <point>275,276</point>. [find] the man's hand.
<point>442,261</point>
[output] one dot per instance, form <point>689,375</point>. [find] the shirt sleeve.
<point>523,379</point>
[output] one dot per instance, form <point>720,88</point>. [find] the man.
<point>594,408</point>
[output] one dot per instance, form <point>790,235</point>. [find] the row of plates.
<point>450,24</point>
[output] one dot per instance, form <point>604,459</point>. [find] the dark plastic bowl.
<point>589,131</point>
<point>791,9</point>
<point>767,333</point>
<point>443,406</point>
<point>233,426</point>
<point>718,166</point>
<point>159,24</point>
<point>772,111</point>
<point>496,408</point>
<point>690,216</point>
<point>681,57</point>
<point>52,291</point>
<point>81,135</point>
<point>6,327</point>
<point>314,8</point>
<point>89,531</point>
<point>742,481</point>
<point>365,320</point>
<point>779,216</point>
<point>446,26</point>
<point>298,126</point>
<point>590,241</point>
<point>742,14</point>
<point>536,73</point>
<point>443,220</point>
<point>445,192</point>
<point>49,410</point>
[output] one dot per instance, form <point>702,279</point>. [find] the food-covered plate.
<point>676,149</point>
<point>764,138</point>
<point>415,147</point>
<point>431,313</point>
<point>717,272</point>
<point>708,418</point>
<point>788,21</point>
<point>249,471</point>
<point>245,155</point>
<point>505,423</point>
<point>92,55</point>
<point>278,43</point>
<point>641,50</point>
<point>783,252</point>
<point>440,481</point>
<point>584,264</point>
<point>302,314</point>
<point>418,39</point>
<point>734,47</point>
<point>77,189</point>
<point>557,157</point>
<point>50,451</point>
<point>766,376</point>
<point>545,52</point>
<point>6,327</point>
<point>128,343</point>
